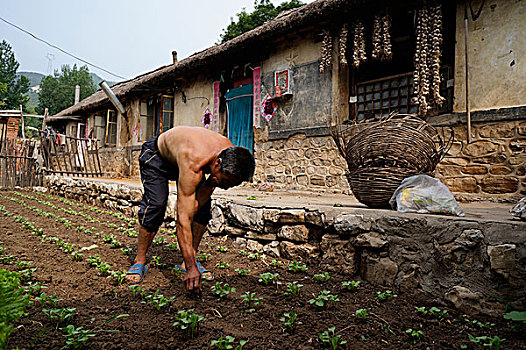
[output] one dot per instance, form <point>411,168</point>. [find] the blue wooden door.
<point>239,111</point>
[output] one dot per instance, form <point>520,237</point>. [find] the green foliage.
<point>361,314</point>
<point>51,299</point>
<point>223,265</point>
<point>276,263</point>
<point>174,247</point>
<point>222,290</point>
<point>227,343</point>
<point>58,91</point>
<point>322,277</point>
<point>473,323</point>
<point>293,288</point>
<point>242,272</point>
<point>13,302</point>
<point>330,339</point>
<point>61,315</point>
<point>251,300</point>
<point>518,316</point>
<point>491,343</point>
<point>351,285</point>
<point>387,295</point>
<point>289,320</point>
<point>268,278</point>
<point>324,298</point>
<point>12,87</point>
<point>415,334</point>
<point>189,321</point>
<point>118,277</point>
<point>263,12</point>
<point>159,240</point>
<point>222,249</point>
<point>135,289</point>
<point>77,337</point>
<point>297,266</point>
<point>434,311</point>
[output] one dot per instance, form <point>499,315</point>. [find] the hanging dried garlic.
<point>426,77</point>
<point>344,34</point>
<point>377,38</point>
<point>436,39</point>
<point>382,38</point>
<point>387,46</point>
<point>326,52</point>
<point>359,55</point>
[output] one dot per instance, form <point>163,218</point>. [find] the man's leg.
<point>145,239</point>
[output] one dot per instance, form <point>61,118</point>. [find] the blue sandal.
<point>201,270</point>
<point>138,269</point>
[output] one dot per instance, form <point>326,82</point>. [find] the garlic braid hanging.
<point>421,73</point>
<point>326,52</point>
<point>426,77</point>
<point>436,41</point>
<point>344,34</point>
<point>382,38</point>
<point>359,45</point>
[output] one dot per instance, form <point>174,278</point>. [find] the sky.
<point>124,37</point>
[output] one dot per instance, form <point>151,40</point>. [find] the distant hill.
<point>35,79</point>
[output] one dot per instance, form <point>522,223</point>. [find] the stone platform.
<point>463,261</point>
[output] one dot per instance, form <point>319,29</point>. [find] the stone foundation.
<point>461,261</point>
<point>493,165</point>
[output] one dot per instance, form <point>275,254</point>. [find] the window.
<point>100,129</point>
<point>167,115</point>
<point>111,128</point>
<point>147,121</point>
<point>378,88</point>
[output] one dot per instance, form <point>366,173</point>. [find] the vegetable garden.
<point>62,286</point>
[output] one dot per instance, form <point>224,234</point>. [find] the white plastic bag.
<point>424,194</point>
<point>519,210</point>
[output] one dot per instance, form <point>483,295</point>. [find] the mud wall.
<point>463,262</point>
<point>496,47</point>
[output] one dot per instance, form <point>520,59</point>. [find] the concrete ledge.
<point>463,261</point>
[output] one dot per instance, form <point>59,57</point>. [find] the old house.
<point>276,89</point>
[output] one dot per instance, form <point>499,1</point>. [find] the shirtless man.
<point>185,154</point>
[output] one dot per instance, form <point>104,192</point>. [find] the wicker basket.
<point>382,153</point>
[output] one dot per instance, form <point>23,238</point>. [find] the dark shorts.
<point>155,174</point>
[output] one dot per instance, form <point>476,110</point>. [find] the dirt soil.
<point>97,299</point>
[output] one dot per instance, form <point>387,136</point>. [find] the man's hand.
<point>192,280</point>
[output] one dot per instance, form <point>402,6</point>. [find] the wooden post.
<point>23,124</point>
<point>468,111</point>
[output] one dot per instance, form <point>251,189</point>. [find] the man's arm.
<point>186,207</point>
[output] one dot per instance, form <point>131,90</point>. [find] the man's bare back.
<point>191,146</point>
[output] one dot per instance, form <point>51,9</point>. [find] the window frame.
<point>172,114</point>
<point>108,124</point>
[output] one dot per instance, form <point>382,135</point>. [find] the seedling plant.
<point>330,339</point>
<point>324,298</point>
<point>289,320</point>
<point>227,343</point>
<point>188,321</point>
<point>222,290</point>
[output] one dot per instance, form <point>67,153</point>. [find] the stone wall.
<point>115,162</point>
<point>493,165</point>
<point>301,163</point>
<point>460,261</point>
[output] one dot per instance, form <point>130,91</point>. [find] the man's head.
<point>235,164</point>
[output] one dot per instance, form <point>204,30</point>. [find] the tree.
<point>12,88</point>
<point>263,12</point>
<point>58,91</point>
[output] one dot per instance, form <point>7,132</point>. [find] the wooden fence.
<point>66,155</point>
<point>18,167</point>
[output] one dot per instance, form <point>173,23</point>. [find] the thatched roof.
<point>288,22</point>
